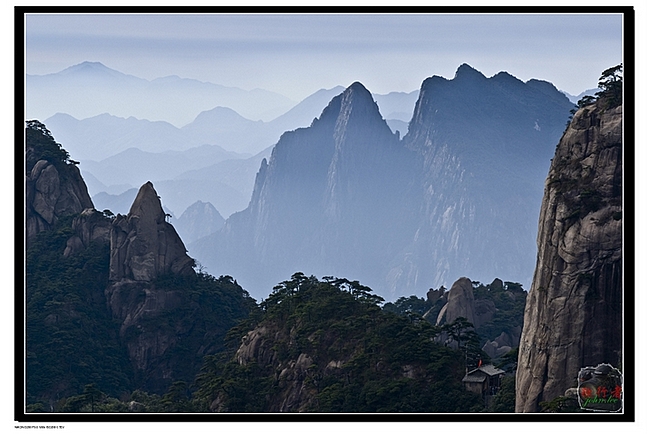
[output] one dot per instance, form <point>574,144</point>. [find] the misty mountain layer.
<point>90,89</point>
<point>459,195</point>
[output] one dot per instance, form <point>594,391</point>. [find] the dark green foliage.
<point>508,362</point>
<point>504,401</point>
<point>610,95</point>
<point>407,305</point>
<point>611,85</point>
<point>70,337</point>
<point>561,404</point>
<point>586,100</point>
<point>176,400</point>
<point>42,146</point>
<point>243,388</point>
<point>72,340</point>
<point>418,306</point>
<point>92,400</point>
<point>210,307</point>
<point>509,300</point>
<point>340,320</point>
<point>462,332</point>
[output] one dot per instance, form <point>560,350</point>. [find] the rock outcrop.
<point>259,347</point>
<point>52,193</point>
<point>89,226</point>
<point>144,247</point>
<point>55,189</point>
<point>573,316</point>
<point>461,301</point>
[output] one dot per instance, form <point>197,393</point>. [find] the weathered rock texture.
<point>259,346</point>
<point>143,247</point>
<point>51,194</point>
<point>461,302</point>
<point>89,226</point>
<point>574,309</point>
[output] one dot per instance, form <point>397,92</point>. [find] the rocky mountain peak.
<point>143,248</point>
<point>356,93</point>
<point>355,107</point>
<point>143,245</point>
<point>466,71</point>
<point>147,204</point>
<point>198,219</point>
<point>54,186</point>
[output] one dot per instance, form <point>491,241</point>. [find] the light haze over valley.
<point>197,103</point>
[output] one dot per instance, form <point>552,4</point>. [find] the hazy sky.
<point>298,54</point>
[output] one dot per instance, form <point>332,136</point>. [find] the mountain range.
<point>458,195</point>
<point>468,165</point>
<point>119,318</point>
<point>120,151</point>
<point>90,89</point>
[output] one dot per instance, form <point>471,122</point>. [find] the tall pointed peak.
<point>467,71</point>
<point>357,93</point>
<point>355,99</point>
<point>356,86</point>
<point>147,203</point>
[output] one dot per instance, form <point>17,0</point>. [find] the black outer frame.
<point>628,155</point>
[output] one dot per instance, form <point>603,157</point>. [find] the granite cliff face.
<point>118,293</point>
<point>143,248</point>
<point>89,226</point>
<point>461,303</point>
<point>144,245</point>
<point>54,186</point>
<point>573,316</point>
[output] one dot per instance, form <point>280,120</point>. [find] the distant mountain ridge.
<point>458,195</point>
<point>106,147</point>
<point>103,135</point>
<point>91,88</point>
<point>485,145</point>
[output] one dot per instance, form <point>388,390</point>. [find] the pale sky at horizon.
<point>296,55</point>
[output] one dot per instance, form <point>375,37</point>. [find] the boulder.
<point>461,301</point>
